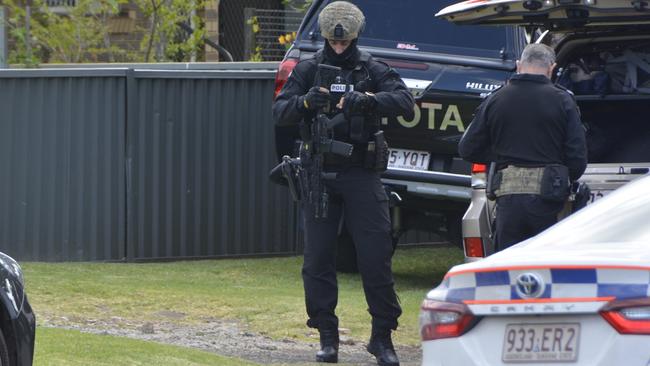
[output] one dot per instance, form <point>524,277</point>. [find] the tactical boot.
<point>329,346</point>
<point>381,346</point>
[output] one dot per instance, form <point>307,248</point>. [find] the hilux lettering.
<point>481,86</point>
<point>451,117</point>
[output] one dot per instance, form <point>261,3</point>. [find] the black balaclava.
<point>348,58</point>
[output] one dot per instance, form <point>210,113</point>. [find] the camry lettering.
<point>542,308</point>
<point>451,117</point>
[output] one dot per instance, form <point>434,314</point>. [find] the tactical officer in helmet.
<point>531,130</point>
<point>358,196</point>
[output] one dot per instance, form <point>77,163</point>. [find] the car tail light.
<point>629,316</point>
<point>474,247</point>
<point>284,71</point>
<point>444,320</point>
<point>478,168</point>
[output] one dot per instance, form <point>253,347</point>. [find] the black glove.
<point>315,99</point>
<point>355,103</point>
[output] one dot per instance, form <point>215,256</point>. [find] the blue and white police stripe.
<point>553,283</point>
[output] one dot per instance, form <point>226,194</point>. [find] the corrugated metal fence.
<point>142,162</point>
<point>127,163</point>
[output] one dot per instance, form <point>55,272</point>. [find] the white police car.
<point>576,294</point>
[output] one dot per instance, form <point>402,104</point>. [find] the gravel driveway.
<point>230,338</point>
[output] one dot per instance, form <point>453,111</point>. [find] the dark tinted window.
<point>411,24</point>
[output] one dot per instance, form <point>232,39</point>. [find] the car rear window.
<point>411,24</point>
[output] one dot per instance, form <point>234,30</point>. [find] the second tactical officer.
<point>357,194</point>
<point>531,129</point>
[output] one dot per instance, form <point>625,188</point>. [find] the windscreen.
<point>412,25</point>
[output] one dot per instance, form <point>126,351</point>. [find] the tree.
<point>164,38</point>
<point>81,35</point>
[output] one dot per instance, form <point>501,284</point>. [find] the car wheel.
<point>4,351</point>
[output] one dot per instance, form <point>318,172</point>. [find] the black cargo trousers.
<point>522,216</point>
<point>358,195</point>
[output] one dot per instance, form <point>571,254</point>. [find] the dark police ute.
<point>17,321</point>
<point>448,68</point>
<point>603,56</point>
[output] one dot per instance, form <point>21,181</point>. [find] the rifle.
<point>321,142</point>
<point>305,175</point>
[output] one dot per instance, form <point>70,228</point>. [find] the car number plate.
<point>556,342</point>
<point>408,159</point>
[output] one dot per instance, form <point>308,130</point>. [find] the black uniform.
<point>357,193</point>
<point>529,122</point>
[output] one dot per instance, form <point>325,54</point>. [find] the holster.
<point>493,182</point>
<point>377,153</point>
<point>555,184</point>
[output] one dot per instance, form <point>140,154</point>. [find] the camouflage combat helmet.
<point>341,20</point>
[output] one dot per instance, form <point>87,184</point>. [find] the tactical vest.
<point>358,79</point>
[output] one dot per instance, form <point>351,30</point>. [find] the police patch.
<point>338,88</point>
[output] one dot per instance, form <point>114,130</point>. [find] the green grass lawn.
<point>59,347</point>
<point>265,295</point>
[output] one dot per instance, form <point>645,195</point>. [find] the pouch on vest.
<point>555,183</point>
<point>377,153</point>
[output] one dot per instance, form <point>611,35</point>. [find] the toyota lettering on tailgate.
<point>436,116</point>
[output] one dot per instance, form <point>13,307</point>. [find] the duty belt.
<point>520,180</point>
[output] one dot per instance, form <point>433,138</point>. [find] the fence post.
<point>249,36</point>
<point>3,39</point>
